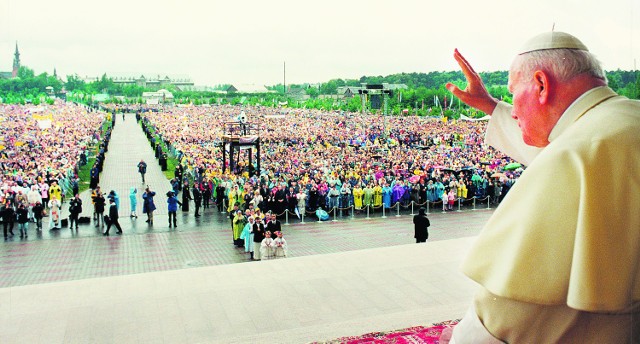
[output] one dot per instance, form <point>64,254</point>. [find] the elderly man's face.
<point>533,120</point>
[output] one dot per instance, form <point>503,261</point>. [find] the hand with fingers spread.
<point>475,94</point>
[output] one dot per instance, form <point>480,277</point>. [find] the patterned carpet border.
<point>411,335</point>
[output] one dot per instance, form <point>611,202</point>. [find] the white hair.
<point>564,64</point>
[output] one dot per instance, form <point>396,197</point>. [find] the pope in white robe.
<point>564,269</point>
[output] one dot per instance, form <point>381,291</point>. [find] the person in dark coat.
<point>95,176</point>
<point>272,225</point>
<point>99,204</point>
<point>206,194</point>
<point>220,189</point>
<point>8,217</point>
<point>422,224</point>
<point>258,235</point>
<point>186,196</point>
<point>142,169</point>
<point>23,220</point>
<point>197,199</point>
<point>38,209</point>
<point>113,218</point>
<point>75,208</point>
<point>172,207</point>
<point>177,173</point>
<point>148,206</point>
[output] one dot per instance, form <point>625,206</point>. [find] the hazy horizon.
<point>247,42</point>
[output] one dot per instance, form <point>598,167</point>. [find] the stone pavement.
<point>203,243</point>
<point>120,172</point>
<point>292,300</point>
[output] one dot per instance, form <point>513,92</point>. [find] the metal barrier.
<point>368,215</point>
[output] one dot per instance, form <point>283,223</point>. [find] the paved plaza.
<point>158,285</point>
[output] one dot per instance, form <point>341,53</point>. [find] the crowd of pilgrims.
<point>314,159</point>
<point>311,159</point>
<point>41,151</point>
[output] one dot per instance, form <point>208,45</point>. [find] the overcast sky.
<point>241,41</point>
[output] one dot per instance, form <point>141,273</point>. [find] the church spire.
<point>16,62</point>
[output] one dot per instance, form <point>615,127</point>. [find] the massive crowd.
<point>315,159</point>
<point>311,160</point>
<point>41,150</point>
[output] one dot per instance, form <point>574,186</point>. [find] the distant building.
<point>160,97</point>
<point>16,66</point>
<point>299,94</point>
<point>349,91</point>
<point>247,89</point>
<point>154,81</point>
<point>202,89</point>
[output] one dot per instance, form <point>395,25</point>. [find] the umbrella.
<point>512,166</point>
<point>497,175</point>
<point>476,178</point>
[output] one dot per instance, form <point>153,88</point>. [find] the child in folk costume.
<point>267,247</point>
<point>280,246</point>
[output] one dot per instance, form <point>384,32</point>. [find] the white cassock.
<point>280,247</point>
<point>267,248</point>
<point>559,260</point>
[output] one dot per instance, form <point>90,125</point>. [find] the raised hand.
<point>475,94</point>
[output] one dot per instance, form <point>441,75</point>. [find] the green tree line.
<point>425,93</point>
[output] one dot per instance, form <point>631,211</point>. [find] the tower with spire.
<point>16,62</point>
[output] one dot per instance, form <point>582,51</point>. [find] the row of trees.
<point>425,93</point>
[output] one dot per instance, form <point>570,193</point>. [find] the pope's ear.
<point>541,81</point>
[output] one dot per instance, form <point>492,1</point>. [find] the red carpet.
<point>412,335</point>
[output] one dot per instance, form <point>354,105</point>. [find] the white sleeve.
<point>504,134</point>
<point>470,330</point>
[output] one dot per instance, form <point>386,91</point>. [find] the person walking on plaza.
<point>8,216</point>
<point>421,224</point>
<point>148,206</point>
<point>142,169</point>
<point>75,208</point>
<point>172,207</point>
<point>22,217</point>
<point>566,271</point>
<point>116,198</point>
<point>133,200</point>
<point>38,212</point>
<point>113,218</point>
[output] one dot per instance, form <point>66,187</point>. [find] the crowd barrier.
<point>474,203</point>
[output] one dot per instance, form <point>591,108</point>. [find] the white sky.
<point>242,41</point>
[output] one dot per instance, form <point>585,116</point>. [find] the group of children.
<point>261,243</point>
